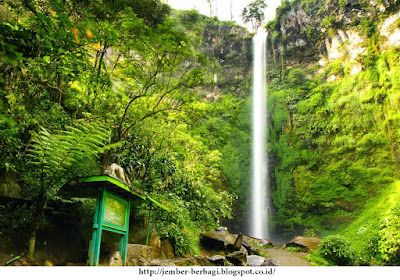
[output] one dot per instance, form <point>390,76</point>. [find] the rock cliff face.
<point>326,30</point>
<point>231,45</point>
<point>228,49</point>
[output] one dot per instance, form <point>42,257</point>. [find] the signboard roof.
<point>88,187</point>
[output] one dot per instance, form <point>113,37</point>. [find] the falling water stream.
<point>259,192</point>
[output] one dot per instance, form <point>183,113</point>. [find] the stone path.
<point>287,258</point>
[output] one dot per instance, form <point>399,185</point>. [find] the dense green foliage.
<point>144,72</point>
<point>333,136</point>
<point>164,94</point>
<point>341,137</point>
<point>337,250</point>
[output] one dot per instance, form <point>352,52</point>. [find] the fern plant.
<point>52,156</point>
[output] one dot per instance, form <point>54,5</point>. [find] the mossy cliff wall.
<point>334,97</point>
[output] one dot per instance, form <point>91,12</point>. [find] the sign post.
<point>112,214</point>
<point>113,204</point>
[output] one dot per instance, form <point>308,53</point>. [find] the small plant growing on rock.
<point>266,246</point>
<point>309,232</point>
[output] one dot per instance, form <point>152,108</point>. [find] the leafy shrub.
<point>309,232</point>
<point>316,259</point>
<point>260,253</point>
<point>294,249</point>
<point>15,220</point>
<point>387,240</point>
<point>266,246</point>
<point>334,68</point>
<point>179,229</point>
<point>337,250</point>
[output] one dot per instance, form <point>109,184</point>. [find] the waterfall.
<point>259,191</point>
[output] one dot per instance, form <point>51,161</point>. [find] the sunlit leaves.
<point>54,154</point>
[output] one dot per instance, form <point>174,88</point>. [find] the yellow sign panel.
<point>114,212</point>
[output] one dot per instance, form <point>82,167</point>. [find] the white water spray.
<point>260,196</point>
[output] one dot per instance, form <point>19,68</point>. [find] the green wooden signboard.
<point>113,204</point>
<point>112,214</point>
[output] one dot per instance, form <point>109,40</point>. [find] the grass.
<point>362,230</point>
<point>294,249</point>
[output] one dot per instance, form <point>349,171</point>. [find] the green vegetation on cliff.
<point>169,86</point>
<point>334,136</point>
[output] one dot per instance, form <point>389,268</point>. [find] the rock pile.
<point>234,249</point>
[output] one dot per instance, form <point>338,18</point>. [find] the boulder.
<point>167,250</point>
<point>254,260</point>
<point>238,258</point>
<point>247,241</point>
<point>194,261</point>
<point>264,242</point>
<point>115,259</point>
<point>138,254</point>
<point>220,234</point>
<point>155,242</point>
<point>238,243</point>
<point>271,262</point>
<point>307,243</point>
<point>218,260</point>
<point>117,172</point>
<point>250,250</point>
<point>235,246</point>
<point>219,239</point>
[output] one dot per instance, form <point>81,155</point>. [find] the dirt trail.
<point>287,258</point>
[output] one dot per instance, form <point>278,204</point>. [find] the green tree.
<point>53,156</point>
<point>254,13</point>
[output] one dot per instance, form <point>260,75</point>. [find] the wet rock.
<point>218,260</point>
<point>254,260</point>
<point>271,262</point>
<point>306,243</point>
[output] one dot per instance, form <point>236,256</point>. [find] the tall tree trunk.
<point>39,211</point>
<point>231,9</point>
